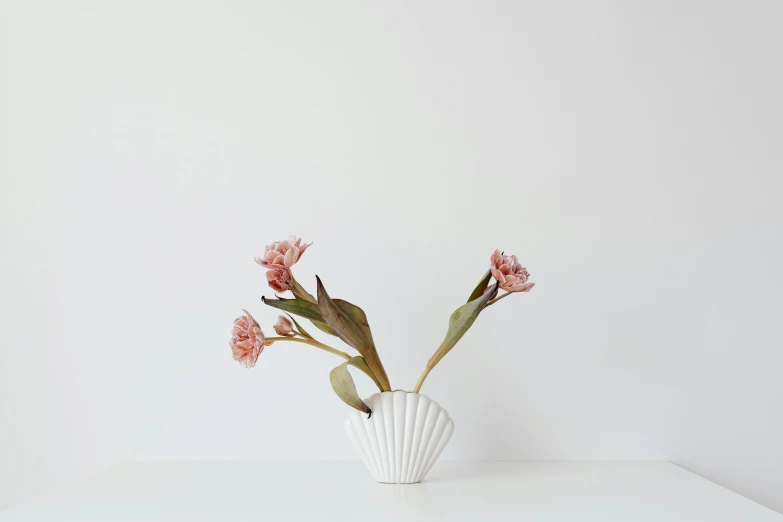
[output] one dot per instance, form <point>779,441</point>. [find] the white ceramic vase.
<point>403,437</point>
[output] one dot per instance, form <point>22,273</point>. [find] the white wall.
<point>629,153</point>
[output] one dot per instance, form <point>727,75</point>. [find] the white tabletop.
<point>344,491</point>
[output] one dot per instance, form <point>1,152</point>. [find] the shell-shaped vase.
<point>403,437</point>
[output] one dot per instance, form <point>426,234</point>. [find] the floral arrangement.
<point>348,322</point>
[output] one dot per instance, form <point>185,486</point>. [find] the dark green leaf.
<point>350,323</point>
<point>343,386</point>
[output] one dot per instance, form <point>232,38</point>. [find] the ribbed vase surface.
<point>403,437</point>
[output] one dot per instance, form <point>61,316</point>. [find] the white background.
<point>628,152</point>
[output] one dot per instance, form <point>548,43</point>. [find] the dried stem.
<point>317,344</point>
<point>423,376</point>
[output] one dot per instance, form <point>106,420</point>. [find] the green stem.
<point>317,344</point>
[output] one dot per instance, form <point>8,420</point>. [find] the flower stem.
<point>495,300</point>
<point>317,344</point>
<point>421,379</point>
<point>431,364</point>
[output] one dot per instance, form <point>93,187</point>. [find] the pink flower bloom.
<point>247,340</point>
<point>284,326</point>
<point>282,254</point>
<point>279,279</point>
<point>512,275</point>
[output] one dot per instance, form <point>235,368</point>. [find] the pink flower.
<point>284,326</point>
<point>282,254</point>
<point>507,270</point>
<point>279,279</point>
<point>247,340</point>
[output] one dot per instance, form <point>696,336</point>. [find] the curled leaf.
<point>343,386</point>
<point>350,324</point>
<point>359,362</point>
<point>481,287</point>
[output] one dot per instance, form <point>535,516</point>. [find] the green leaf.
<point>343,386</point>
<point>301,308</point>
<point>350,323</point>
<point>479,290</point>
<point>459,323</point>
<point>299,327</point>
<point>295,306</point>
